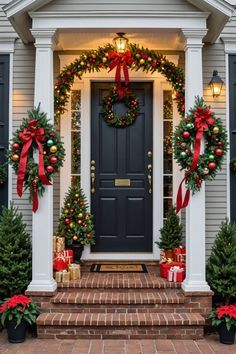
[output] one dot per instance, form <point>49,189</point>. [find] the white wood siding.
<point>230,27</point>
<point>216,196</point>
<point>5,26</point>
<point>128,5</point>
<point>23,100</point>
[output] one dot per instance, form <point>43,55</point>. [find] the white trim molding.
<point>7,44</point>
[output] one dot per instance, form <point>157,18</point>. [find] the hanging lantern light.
<point>216,84</point>
<point>120,42</point>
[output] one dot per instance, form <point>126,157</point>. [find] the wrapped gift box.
<point>75,272</point>
<point>62,276</point>
<point>165,267</point>
<point>60,263</point>
<point>176,274</point>
<point>59,244</point>
<point>180,254</point>
<point>68,255</point>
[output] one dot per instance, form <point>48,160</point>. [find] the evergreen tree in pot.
<point>171,233</point>
<point>221,265</point>
<point>76,223</point>
<point>15,253</point>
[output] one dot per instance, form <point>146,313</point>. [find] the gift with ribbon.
<point>60,244</point>
<point>60,263</point>
<point>62,276</point>
<point>165,267</point>
<point>176,274</point>
<point>28,136</point>
<point>68,255</point>
<point>75,271</point>
<point>179,254</point>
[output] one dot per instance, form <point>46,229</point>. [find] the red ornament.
<point>50,168</point>
<point>188,152</point>
<point>68,73</point>
<point>219,152</point>
<point>15,146</point>
<point>187,120</point>
<point>67,221</point>
<point>219,143</point>
<point>88,235</point>
<point>72,210</point>
<point>52,134</point>
<point>212,165</point>
<point>53,159</point>
<point>186,135</point>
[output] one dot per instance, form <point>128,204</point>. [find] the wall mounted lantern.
<point>216,84</point>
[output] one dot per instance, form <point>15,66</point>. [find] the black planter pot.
<point>226,337</point>
<point>78,250</point>
<point>16,335</point>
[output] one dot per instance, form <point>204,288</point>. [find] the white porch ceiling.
<point>159,39</point>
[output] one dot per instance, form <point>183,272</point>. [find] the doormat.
<point>119,268</point>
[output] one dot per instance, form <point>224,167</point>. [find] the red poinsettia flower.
<point>227,310</point>
<point>14,301</point>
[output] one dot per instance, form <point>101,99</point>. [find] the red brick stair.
<point>122,306</point>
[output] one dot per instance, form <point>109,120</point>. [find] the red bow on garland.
<point>202,120</point>
<point>27,138</point>
<point>120,61</point>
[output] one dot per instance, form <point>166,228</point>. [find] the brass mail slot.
<point>122,182</point>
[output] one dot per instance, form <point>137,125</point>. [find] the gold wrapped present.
<point>65,276</point>
<point>58,277</point>
<point>75,273</point>
<point>60,244</point>
<point>54,244</point>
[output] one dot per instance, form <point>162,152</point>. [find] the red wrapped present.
<point>59,263</point>
<point>179,254</point>
<point>176,274</point>
<point>68,254</point>
<point>165,267</point>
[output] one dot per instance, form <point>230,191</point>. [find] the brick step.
<point>118,281</point>
<point>122,326</point>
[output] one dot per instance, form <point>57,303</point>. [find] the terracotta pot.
<point>226,337</point>
<point>169,254</point>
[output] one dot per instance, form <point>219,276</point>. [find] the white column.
<point>42,229</point>
<point>195,213</point>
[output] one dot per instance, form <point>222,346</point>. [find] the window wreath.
<point>129,99</point>
<point>36,136</point>
<point>199,122</point>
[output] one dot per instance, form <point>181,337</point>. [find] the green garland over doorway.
<point>95,60</point>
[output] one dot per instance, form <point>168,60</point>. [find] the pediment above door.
<point>26,14</point>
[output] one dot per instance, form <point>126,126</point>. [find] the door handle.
<point>92,174</point>
<point>149,176</point>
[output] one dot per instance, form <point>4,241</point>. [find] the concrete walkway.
<point>209,345</point>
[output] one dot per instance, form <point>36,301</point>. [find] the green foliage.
<point>224,315</point>
<point>3,174</point>
<point>233,164</point>
<point>221,265</point>
<point>76,223</point>
<point>15,253</point>
<point>172,231</point>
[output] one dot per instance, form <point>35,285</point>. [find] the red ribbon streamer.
<point>120,61</point>
<point>27,137</point>
<point>202,120</point>
<point>35,198</point>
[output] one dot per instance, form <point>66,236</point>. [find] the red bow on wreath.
<point>202,120</point>
<point>120,61</point>
<point>27,137</point>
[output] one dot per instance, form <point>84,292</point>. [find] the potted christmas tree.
<point>75,223</point>
<point>171,233</point>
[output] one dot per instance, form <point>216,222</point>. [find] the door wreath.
<point>129,99</point>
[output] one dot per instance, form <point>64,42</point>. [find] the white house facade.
<point>39,37</point>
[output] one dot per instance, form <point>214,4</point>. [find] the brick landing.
<point>122,306</point>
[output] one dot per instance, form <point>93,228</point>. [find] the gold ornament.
<point>53,149</point>
<point>76,195</point>
<point>72,225</point>
<point>79,221</point>
<point>68,204</point>
<point>15,157</point>
<point>142,61</point>
<point>75,237</point>
<point>205,171</point>
<point>66,211</point>
<point>80,73</point>
<point>149,59</point>
<point>85,56</point>
<point>80,215</point>
<point>82,63</point>
<point>216,130</point>
<point>104,60</point>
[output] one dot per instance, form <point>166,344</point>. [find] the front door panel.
<point>122,213</point>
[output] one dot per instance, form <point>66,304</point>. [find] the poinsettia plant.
<point>19,308</point>
<point>224,314</point>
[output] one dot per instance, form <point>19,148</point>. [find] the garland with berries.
<point>129,100</point>
<point>199,123</point>
<point>36,139</point>
<point>136,58</point>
